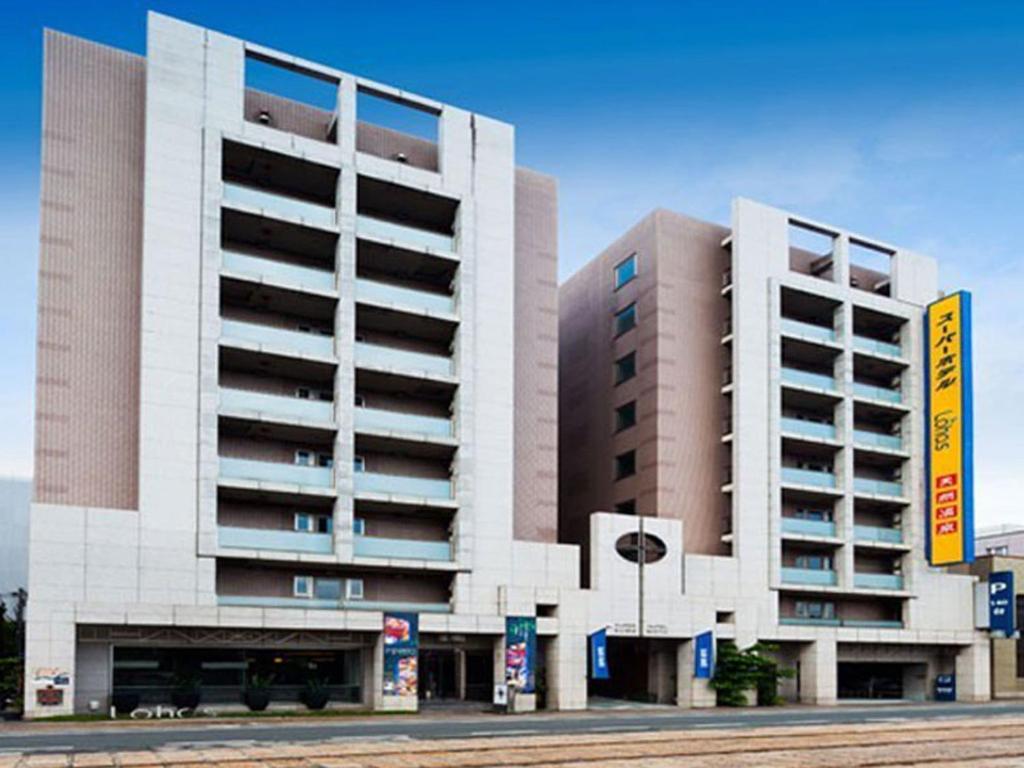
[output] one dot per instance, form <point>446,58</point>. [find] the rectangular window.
<point>815,609</point>
<point>627,507</point>
<point>302,586</point>
<point>625,416</point>
<point>303,522</point>
<point>327,589</point>
<point>354,589</point>
<point>324,524</point>
<point>821,515</point>
<point>625,319</point>
<point>359,401</point>
<point>358,464</point>
<point>625,271</point>
<point>358,526</point>
<point>814,562</point>
<point>625,465</point>
<point>323,460</point>
<point>305,458</point>
<point>625,368</point>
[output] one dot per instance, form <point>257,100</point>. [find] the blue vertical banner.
<point>521,652</point>
<point>401,654</point>
<point>704,655</point>
<point>1001,600</point>
<point>599,655</point>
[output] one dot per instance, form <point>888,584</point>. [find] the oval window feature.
<point>636,547</point>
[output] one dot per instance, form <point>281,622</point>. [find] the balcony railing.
<point>877,487</point>
<point>812,576</point>
<point>271,203</point>
<point>818,478</point>
<point>385,293</point>
<point>388,357</point>
<point>394,421</point>
<point>401,485</point>
<point>859,623</point>
<point>808,428</point>
<point>796,525</point>
<point>807,379</point>
<point>807,330</point>
<point>802,621</point>
<point>277,271</point>
<point>878,440</point>
<point>275,540</point>
<point>297,341</point>
<point>876,533</point>
<point>245,401</point>
<point>310,603</point>
<point>878,581</point>
<point>873,623</point>
<point>872,392</point>
<point>402,549</point>
<point>865,344</point>
<point>276,472</point>
<point>402,234</point>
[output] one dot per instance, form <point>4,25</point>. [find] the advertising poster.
<point>521,652</point>
<point>401,654</point>
<point>950,485</point>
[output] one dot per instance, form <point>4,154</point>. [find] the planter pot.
<point>125,703</point>
<point>316,699</point>
<point>256,701</point>
<point>185,699</point>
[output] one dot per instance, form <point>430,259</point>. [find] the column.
<point>972,672</point>
<point>691,692</point>
<point>818,672</point>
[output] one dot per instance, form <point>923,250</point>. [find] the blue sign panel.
<point>945,687</point>
<point>704,655</point>
<point>599,655</point>
<point>1001,603</point>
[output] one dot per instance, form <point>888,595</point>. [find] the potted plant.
<point>316,693</point>
<point>257,692</point>
<point>187,691</point>
<point>125,702</point>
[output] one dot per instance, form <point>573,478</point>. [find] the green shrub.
<point>752,669</point>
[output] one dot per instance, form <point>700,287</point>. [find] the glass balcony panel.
<point>276,472</point>
<point>878,440</point>
<point>402,234</point>
<point>878,580</point>
<point>877,393</point>
<point>813,576</point>
<point>371,290</point>
<point>276,405</point>
<point>807,379</point>
<point>797,621</point>
<point>807,330</point>
<point>873,623</point>
<point>272,203</point>
<point>299,341</point>
<point>808,527</point>
<point>864,344</point>
<point>808,477</point>
<point>389,357</point>
<point>876,533</point>
<point>400,485</point>
<point>277,271</point>
<point>306,603</point>
<point>393,421</point>
<point>879,487</point>
<point>278,540</point>
<point>374,546</point>
<point>808,428</point>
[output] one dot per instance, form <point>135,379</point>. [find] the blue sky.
<point>901,120</point>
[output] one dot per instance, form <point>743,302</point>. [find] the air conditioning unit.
<point>353,589</point>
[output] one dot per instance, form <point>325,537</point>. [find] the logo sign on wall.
<point>599,655</point>
<point>704,655</point>
<point>401,654</point>
<point>521,652</point>
<point>949,429</point>
<point>1001,601</point>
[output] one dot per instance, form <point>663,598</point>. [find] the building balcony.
<point>804,330</point>
<point>274,540</point>
<point>279,272</point>
<point>371,291</point>
<point>820,528</point>
<point>312,603</point>
<point>402,549</point>
<point>892,581</point>
<point>401,485</point>
<point>241,401</point>
<point>271,204</point>
<point>854,623</point>
<point>871,392</point>
<point>808,622</point>
<point>298,342</point>
<point>814,477</point>
<point>877,487</point>
<point>404,235</point>
<point>873,623</point>
<point>377,420</point>
<point>809,576</point>
<point>378,356</point>
<point>804,428</point>
<point>276,472</point>
<point>876,347</point>
<point>877,440</point>
<point>877,534</point>
<point>799,378</point>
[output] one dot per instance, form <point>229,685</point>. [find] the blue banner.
<point>599,655</point>
<point>521,652</point>
<point>1001,603</point>
<point>704,655</point>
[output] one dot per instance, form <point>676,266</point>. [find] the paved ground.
<point>995,741</point>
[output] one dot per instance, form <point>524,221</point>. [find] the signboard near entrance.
<point>1001,603</point>
<point>401,654</point>
<point>704,655</point>
<point>521,653</point>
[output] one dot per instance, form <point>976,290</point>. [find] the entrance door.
<point>437,675</point>
<point>870,680</point>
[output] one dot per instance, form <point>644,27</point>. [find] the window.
<point>625,416</point>
<point>815,609</point>
<point>323,460</point>
<point>358,526</point>
<point>359,401</point>
<point>354,589</point>
<point>305,458</point>
<point>625,271</point>
<point>625,319</point>
<point>814,562</point>
<point>327,589</point>
<point>821,515</point>
<point>303,522</point>
<point>627,507</point>
<point>1001,549</point>
<point>358,464</point>
<point>625,368</point>
<point>304,393</point>
<point>302,586</point>
<point>625,465</point>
